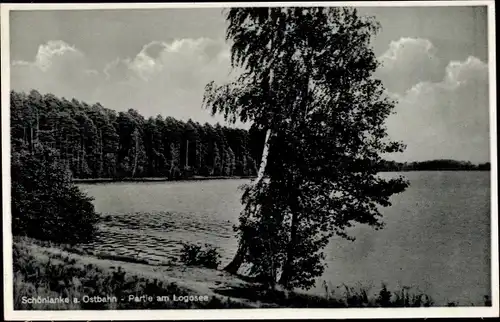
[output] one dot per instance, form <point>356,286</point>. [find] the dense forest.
<point>97,142</point>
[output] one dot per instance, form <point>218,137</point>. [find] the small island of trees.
<point>433,165</point>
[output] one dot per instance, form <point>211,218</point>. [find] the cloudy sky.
<point>435,62</point>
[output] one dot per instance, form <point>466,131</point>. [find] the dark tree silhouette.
<point>307,81</point>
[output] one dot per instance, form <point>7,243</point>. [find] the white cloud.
<point>117,70</point>
<point>57,52</point>
<point>144,65</point>
<point>163,78</point>
<point>471,70</point>
<point>437,118</point>
<point>446,119</point>
<point>408,61</point>
<point>442,110</point>
<point>58,68</point>
<point>167,78</point>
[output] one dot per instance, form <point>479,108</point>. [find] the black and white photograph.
<point>249,160</point>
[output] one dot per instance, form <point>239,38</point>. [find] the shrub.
<point>384,297</point>
<point>45,203</point>
<point>195,255</point>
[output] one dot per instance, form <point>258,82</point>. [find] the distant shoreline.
<point>203,178</point>
<point>426,170</point>
<point>158,179</point>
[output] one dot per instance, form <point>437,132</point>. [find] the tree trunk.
<point>83,157</point>
<point>294,203</point>
<point>187,153</point>
<point>77,162</point>
<point>101,158</point>
<point>31,138</point>
<point>198,145</point>
<point>243,246</point>
<point>286,274</point>
<point>66,151</point>
<point>172,147</point>
<point>222,156</point>
<point>37,126</point>
<point>136,152</point>
<point>238,259</point>
<point>263,160</point>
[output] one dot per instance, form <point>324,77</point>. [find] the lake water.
<point>436,238</point>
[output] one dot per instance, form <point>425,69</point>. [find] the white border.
<point>10,314</point>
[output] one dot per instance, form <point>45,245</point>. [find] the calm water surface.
<point>436,238</point>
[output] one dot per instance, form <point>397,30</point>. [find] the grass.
<point>350,297</point>
<point>44,269</point>
<point>53,275</point>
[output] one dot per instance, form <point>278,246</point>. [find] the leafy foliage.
<point>45,203</point>
<point>308,79</point>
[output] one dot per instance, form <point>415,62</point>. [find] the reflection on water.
<point>436,236</point>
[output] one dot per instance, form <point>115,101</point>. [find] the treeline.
<point>443,164</point>
<point>96,142</point>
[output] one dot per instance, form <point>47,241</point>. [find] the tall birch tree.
<point>307,80</point>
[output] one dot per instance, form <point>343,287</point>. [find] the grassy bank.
<point>46,270</point>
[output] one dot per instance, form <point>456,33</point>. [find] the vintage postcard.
<point>249,160</point>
